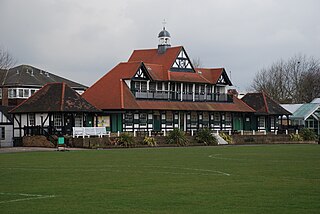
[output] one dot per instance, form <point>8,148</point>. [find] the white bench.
<point>90,131</point>
<point>77,132</point>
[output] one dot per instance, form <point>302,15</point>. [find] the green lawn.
<point>230,179</point>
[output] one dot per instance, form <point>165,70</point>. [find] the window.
<point>32,91</point>
<point>176,116</point>
<point>57,120</point>
<point>20,93</point>
<point>3,133</point>
<point>261,122</point>
<point>202,89</point>
<point>152,86</point>
<point>136,116</point>
<point>129,118</point>
<point>32,121</point>
<point>159,86</point>
<point>144,86</point>
<point>143,118</point>
<point>137,86</point>
<point>172,86</point>
<point>169,116</point>
<point>12,93</point>
<point>0,93</point>
<point>26,93</point>
<point>166,87</point>
<point>309,123</point>
<point>78,120</point>
<point>194,116</point>
<point>228,117</point>
<point>216,116</point>
<point>150,116</point>
<point>197,89</point>
<point>163,116</point>
<point>209,89</point>
<point>205,116</point>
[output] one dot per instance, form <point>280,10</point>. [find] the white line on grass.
<point>28,197</point>
<point>202,171</point>
<point>192,169</point>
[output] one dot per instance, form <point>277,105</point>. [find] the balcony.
<point>187,97</point>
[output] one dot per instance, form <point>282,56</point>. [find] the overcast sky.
<point>82,40</point>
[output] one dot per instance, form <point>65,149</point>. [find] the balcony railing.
<point>176,96</point>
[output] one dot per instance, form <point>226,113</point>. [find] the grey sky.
<point>82,40</point>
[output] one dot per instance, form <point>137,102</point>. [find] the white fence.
<point>90,131</point>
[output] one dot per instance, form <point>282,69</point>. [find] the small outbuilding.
<point>53,110</point>
<point>268,111</point>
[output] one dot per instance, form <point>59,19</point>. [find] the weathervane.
<point>164,24</point>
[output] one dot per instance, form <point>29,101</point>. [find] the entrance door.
<point>182,121</point>
<point>237,123</point>
<point>156,123</point>
<point>68,123</point>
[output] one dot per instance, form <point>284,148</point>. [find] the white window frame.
<point>32,119</point>
<point>57,120</point>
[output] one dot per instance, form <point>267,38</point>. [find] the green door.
<point>156,123</point>
<point>116,122</point>
<point>237,123</point>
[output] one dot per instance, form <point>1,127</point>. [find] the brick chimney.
<point>4,97</point>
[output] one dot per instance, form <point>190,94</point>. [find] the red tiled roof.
<point>160,65</point>
<point>105,93</point>
<point>153,57</point>
<point>211,74</point>
<point>112,93</point>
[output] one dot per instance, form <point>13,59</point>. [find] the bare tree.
<point>197,63</point>
<point>293,81</point>
<point>6,59</point>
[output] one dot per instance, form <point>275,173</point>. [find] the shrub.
<point>150,141</point>
<point>295,137</point>
<point>177,137</point>
<point>226,137</point>
<point>126,139</point>
<point>308,134</point>
<point>205,136</point>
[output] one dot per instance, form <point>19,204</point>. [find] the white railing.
<point>90,131</point>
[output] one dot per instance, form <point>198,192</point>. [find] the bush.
<point>126,139</point>
<point>177,137</point>
<point>308,134</point>
<point>226,137</point>
<point>205,136</point>
<point>150,141</point>
<point>295,137</point>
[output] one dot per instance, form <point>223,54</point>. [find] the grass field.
<point>230,179</point>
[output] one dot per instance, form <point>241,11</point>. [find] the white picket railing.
<point>90,131</point>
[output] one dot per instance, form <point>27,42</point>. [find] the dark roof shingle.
<point>55,97</point>
<point>263,104</point>
<point>25,75</point>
